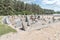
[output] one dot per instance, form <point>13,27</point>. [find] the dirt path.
<point>50,33</point>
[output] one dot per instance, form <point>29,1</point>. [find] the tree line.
<point>14,7</point>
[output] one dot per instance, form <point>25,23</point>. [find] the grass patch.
<point>4,29</point>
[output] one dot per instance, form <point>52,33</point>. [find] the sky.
<point>46,4</point>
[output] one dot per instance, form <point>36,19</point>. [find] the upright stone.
<point>38,17</point>
<point>17,22</point>
<point>23,28</point>
<point>4,21</point>
<point>53,19</point>
<point>26,19</point>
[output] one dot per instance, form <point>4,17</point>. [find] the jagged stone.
<point>28,21</point>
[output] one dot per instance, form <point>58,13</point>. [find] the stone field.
<point>32,27</point>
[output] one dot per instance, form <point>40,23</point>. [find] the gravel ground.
<point>49,33</point>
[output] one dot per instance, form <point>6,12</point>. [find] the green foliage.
<point>26,12</point>
<point>6,7</point>
<point>5,29</point>
<point>48,11</point>
<point>57,12</point>
<point>14,7</point>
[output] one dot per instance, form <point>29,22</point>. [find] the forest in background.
<point>14,7</point>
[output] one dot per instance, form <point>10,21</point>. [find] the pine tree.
<point>8,7</point>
